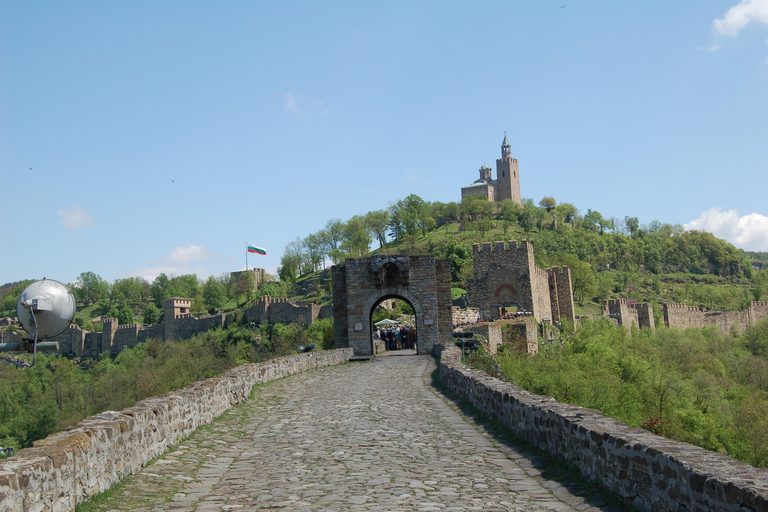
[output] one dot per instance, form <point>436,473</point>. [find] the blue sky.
<point>147,137</point>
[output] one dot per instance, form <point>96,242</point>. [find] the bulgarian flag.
<point>257,250</point>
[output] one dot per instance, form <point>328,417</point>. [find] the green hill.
<point>608,257</point>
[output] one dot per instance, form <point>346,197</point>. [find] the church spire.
<point>506,148</point>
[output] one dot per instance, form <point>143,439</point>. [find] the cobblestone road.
<point>362,436</point>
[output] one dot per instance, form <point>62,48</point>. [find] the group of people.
<point>397,338</point>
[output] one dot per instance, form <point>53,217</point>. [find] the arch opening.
<point>506,303</point>
<point>393,337</point>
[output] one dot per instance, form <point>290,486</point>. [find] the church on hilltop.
<point>507,182</point>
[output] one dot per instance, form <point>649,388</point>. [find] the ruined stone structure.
<point>682,316</point>
<point>178,324</point>
<point>248,279</point>
<point>70,467</point>
<point>282,311</point>
<point>630,314</point>
<point>650,472</point>
<point>506,276</point>
<point>464,315</point>
<point>507,182</point>
<point>362,283</point>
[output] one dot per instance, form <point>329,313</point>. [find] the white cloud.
<point>411,176</point>
<point>75,217</point>
<point>176,263</point>
<point>749,232</point>
<point>741,15</point>
<point>710,48</point>
<point>303,106</point>
<point>186,254</point>
<point>292,104</point>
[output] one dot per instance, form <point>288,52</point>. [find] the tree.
<point>407,216</point>
<point>315,251</point>
<point>377,223</point>
<point>459,256</point>
<point>132,289</point>
<point>357,238</point>
<point>90,287</point>
<point>124,314</point>
<point>160,288</point>
<point>151,314</point>
<point>548,203</point>
<point>582,276</point>
<point>510,214</point>
<point>567,212</point>
<point>213,294</point>
<point>334,233</point>
<point>633,226</point>
<point>290,261</point>
<point>531,216</point>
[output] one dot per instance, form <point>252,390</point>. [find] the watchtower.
<point>507,175</point>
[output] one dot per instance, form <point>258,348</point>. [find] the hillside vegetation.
<point>58,391</point>
<point>695,386</point>
<point>608,258</point>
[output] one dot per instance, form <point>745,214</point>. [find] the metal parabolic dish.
<point>53,305</point>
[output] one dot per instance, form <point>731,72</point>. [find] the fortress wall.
<point>645,315</point>
<point>564,296</point>
<point>464,315</point>
<point>152,332</point>
<point>491,334</point>
<point>621,313</point>
<point>523,336</point>
<point>682,316</point>
<point>91,345</point>
<point>69,467</point>
<point>126,336</point>
<point>651,472</point>
<point>542,305</point>
<point>326,311</point>
<point>758,310</point>
<point>497,265</point>
<point>281,311</point>
<point>186,326</point>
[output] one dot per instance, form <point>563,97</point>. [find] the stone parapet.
<point>69,467</point>
<point>651,472</point>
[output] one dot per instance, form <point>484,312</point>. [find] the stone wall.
<point>113,338</point>
<point>281,311</point>
<point>362,283</point>
<point>250,279</point>
<point>490,335</point>
<point>561,294</point>
<point>522,335</point>
<point>682,316</point>
<point>506,275</point>
<point>464,315</point>
<point>69,467</point>
<point>622,312</point>
<point>651,472</point>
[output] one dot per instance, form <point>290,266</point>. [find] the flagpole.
<point>246,256</point>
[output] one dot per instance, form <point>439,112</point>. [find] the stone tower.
<point>507,175</point>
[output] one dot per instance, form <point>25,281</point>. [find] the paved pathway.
<point>362,436</point>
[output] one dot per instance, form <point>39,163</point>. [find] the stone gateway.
<point>361,284</point>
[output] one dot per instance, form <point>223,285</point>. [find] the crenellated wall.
<point>651,472</point>
<point>69,467</point>
<point>682,316</point>
<point>282,311</point>
<point>629,314</point>
<point>505,274</point>
<point>176,326</point>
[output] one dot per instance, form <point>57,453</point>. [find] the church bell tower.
<point>507,175</point>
